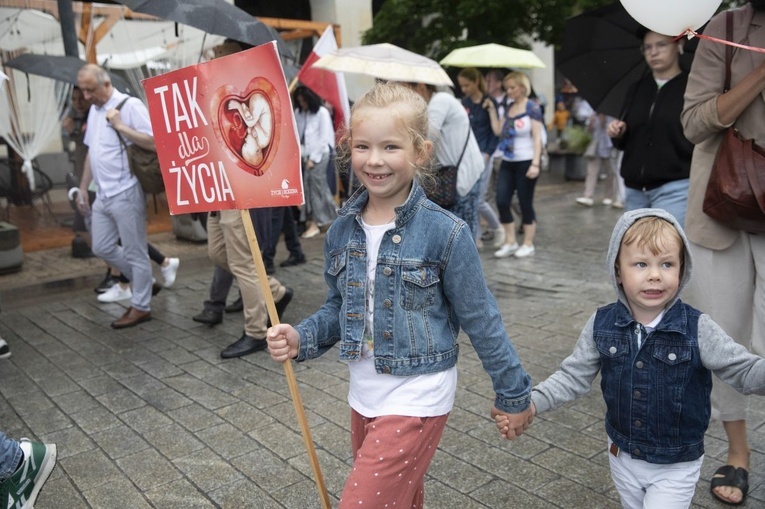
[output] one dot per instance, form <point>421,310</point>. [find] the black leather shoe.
<point>235,306</point>
<point>293,260</point>
<point>282,304</point>
<point>270,268</point>
<point>244,346</point>
<point>209,317</point>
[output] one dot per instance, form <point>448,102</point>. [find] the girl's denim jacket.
<point>429,284</point>
<point>657,397</point>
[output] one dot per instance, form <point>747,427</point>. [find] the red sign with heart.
<point>225,137</point>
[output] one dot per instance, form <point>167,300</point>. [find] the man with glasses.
<point>657,155</point>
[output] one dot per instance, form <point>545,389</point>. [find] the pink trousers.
<point>391,455</point>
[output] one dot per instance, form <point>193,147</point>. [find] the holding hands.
<point>283,342</point>
<point>511,426</point>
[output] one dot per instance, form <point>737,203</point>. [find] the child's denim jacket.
<point>429,283</point>
<point>657,397</point>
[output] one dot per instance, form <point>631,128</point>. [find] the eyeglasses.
<point>659,47</point>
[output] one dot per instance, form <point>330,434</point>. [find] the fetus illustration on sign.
<point>248,124</point>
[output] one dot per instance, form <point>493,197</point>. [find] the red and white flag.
<point>328,85</point>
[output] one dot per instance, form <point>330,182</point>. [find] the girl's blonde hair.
<point>474,75</point>
<point>520,79</point>
<point>406,105</point>
<point>654,233</point>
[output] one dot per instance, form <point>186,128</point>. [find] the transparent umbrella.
<point>385,61</point>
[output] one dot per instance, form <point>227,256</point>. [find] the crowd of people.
<point>656,354</point>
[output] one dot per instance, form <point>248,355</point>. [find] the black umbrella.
<point>216,17</point>
<point>601,56</point>
<point>58,67</point>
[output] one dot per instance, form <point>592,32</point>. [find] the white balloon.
<point>671,17</point>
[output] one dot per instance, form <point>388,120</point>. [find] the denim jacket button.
<point>672,356</point>
<point>636,452</point>
<point>612,349</point>
<point>387,271</point>
<point>637,394</point>
<point>638,424</point>
<point>387,303</point>
<point>386,370</point>
<point>639,364</point>
<point>387,334</point>
<point>396,239</point>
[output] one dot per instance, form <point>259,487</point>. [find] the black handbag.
<point>443,189</point>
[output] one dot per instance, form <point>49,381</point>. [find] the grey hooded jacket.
<point>716,351</point>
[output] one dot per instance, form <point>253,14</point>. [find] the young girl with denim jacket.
<point>656,356</point>
<point>404,277</point>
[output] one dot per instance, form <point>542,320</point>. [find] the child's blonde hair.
<point>406,105</point>
<point>652,232</point>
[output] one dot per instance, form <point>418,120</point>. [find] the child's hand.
<point>512,426</point>
<point>283,341</point>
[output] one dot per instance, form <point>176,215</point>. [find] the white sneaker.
<point>524,251</point>
<point>617,205</point>
<point>169,272</point>
<point>506,250</point>
<point>607,201</point>
<point>115,293</point>
<point>5,350</point>
<point>587,202</point>
<point>499,237</point>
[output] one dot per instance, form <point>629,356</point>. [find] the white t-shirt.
<point>373,394</point>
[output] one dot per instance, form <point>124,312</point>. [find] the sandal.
<point>730,476</point>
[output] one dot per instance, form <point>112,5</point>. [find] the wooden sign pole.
<point>288,372</point>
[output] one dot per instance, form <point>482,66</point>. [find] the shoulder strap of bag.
<point>122,140</point>
<point>728,48</point>
<point>463,148</point>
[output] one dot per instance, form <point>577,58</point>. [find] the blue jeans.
<point>484,209</point>
<point>466,208</point>
<point>671,197</point>
<point>10,455</point>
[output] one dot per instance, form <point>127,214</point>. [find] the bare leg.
<point>529,230</point>
<point>738,456</point>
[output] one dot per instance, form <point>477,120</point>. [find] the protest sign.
<point>225,134</point>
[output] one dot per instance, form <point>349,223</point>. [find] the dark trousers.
<point>283,221</point>
<point>512,179</point>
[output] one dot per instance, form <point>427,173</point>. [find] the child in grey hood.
<point>656,356</point>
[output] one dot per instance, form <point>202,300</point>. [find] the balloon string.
<point>691,33</point>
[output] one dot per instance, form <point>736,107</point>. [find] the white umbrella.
<point>385,61</point>
<point>493,55</point>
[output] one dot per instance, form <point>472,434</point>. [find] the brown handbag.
<point>735,194</point>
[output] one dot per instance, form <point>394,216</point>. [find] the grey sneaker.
<point>20,490</point>
<point>5,350</point>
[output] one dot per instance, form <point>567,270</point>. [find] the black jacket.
<point>655,149</point>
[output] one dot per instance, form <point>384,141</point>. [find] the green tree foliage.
<point>435,27</point>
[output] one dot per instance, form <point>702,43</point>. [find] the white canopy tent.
<point>32,107</point>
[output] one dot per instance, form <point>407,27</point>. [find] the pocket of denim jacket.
<point>420,283</point>
<point>672,355</point>
<point>337,269</point>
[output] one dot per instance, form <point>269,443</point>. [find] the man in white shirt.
<point>119,212</point>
